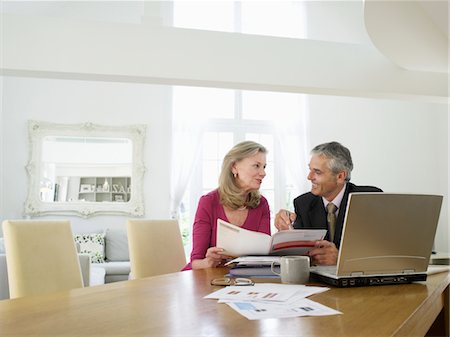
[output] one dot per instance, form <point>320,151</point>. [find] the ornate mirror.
<point>85,169</point>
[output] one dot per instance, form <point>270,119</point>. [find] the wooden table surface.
<point>173,305</point>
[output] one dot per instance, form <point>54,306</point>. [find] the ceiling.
<point>412,34</point>
<point>438,11</point>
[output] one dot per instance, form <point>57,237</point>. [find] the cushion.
<point>92,244</point>
<point>115,267</point>
<point>97,276</point>
<point>116,245</point>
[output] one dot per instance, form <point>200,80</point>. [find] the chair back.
<point>155,247</point>
<point>41,257</point>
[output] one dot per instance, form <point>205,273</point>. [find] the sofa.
<point>108,251</point>
<point>90,277</point>
<point>104,258</point>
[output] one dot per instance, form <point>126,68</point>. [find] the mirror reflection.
<point>85,169</point>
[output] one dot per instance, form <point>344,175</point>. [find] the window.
<point>220,118</point>
<point>207,15</point>
<point>228,117</point>
<point>337,21</point>
<point>273,18</point>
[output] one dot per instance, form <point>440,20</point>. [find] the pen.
<point>291,225</point>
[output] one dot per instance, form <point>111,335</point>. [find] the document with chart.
<point>272,300</point>
<point>237,241</point>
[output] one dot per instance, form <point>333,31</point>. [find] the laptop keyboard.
<point>325,269</point>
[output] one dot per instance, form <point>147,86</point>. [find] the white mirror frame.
<point>38,130</point>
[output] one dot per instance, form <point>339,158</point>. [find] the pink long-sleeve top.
<point>204,233</point>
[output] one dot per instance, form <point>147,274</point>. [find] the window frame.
<point>239,127</point>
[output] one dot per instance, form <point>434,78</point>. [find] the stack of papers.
<point>254,260</point>
<point>270,300</point>
<point>254,266</point>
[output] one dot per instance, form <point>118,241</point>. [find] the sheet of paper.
<point>271,292</point>
<point>262,310</point>
<point>295,241</point>
<point>302,292</point>
<point>238,241</point>
<point>435,269</point>
<point>254,260</point>
<point>272,300</point>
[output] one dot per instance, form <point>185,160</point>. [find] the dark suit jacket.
<point>312,214</point>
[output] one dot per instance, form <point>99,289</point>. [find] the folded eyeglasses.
<point>228,281</point>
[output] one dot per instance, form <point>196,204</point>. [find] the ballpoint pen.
<point>291,225</point>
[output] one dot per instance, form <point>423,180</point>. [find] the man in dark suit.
<point>329,172</point>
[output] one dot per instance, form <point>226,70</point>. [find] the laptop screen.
<point>386,233</point>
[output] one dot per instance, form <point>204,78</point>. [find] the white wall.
<point>67,101</point>
<point>399,146</point>
<point>2,175</point>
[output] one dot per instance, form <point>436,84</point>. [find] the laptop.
<point>387,238</point>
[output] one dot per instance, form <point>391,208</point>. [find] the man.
<point>329,172</point>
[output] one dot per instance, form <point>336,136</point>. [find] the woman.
<point>236,200</point>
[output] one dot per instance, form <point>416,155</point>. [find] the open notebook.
<point>387,239</point>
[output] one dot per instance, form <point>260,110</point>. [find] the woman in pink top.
<point>236,200</point>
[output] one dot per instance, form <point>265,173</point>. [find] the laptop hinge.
<point>356,273</point>
<point>409,271</point>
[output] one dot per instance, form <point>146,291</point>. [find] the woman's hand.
<point>214,258</point>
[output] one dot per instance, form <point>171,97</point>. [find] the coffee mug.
<point>293,269</point>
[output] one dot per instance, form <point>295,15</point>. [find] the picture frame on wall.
<point>85,188</point>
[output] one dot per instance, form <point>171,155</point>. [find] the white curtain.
<point>187,133</point>
<point>291,131</point>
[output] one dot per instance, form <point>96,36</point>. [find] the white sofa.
<point>4,287</point>
<point>115,268</point>
<point>116,257</point>
<point>89,278</point>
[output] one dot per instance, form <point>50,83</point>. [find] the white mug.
<point>293,269</point>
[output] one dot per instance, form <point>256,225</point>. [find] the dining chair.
<point>41,257</point>
<point>155,247</point>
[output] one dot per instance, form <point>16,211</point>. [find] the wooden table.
<point>173,305</point>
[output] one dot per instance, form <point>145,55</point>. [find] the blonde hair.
<point>229,191</point>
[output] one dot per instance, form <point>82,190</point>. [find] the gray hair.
<point>339,155</point>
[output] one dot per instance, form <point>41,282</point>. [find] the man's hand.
<point>324,253</point>
<point>284,219</point>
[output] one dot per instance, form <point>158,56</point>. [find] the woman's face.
<point>250,172</point>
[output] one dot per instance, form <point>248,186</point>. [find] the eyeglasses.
<point>228,281</point>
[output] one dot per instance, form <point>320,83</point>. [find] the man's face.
<point>324,182</point>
